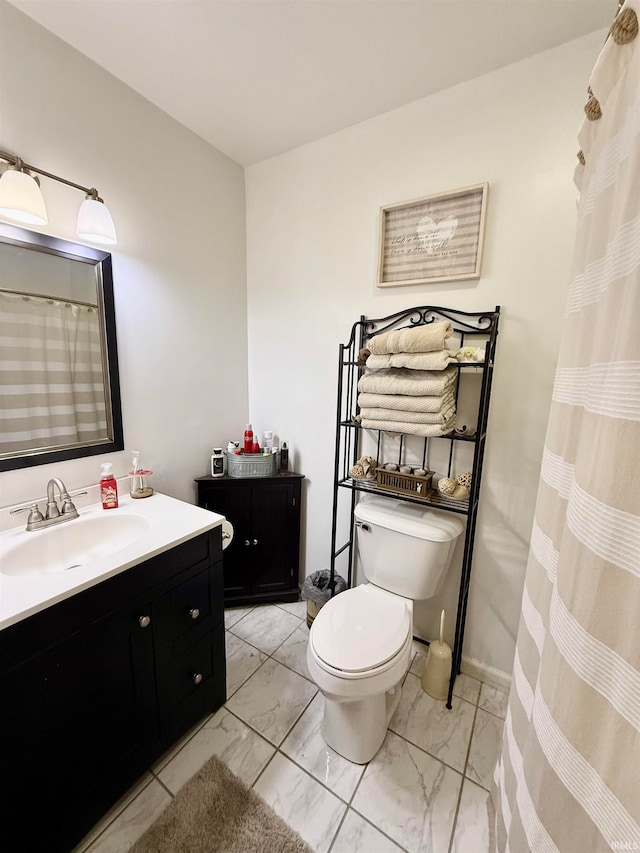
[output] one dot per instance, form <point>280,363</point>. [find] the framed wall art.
<point>433,239</point>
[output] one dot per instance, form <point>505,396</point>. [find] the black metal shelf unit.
<point>472,329</point>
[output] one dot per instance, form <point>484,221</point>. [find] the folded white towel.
<point>405,402</point>
<point>409,417</point>
<point>437,360</point>
<point>425,338</point>
<point>412,382</point>
<point>424,430</point>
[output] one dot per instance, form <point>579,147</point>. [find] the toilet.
<point>360,642</point>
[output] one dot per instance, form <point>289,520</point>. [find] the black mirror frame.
<point>75,251</point>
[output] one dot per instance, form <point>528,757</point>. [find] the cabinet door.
<point>275,539</point>
<point>234,502</point>
<point>87,721</point>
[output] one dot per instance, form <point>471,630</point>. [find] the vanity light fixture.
<point>21,200</point>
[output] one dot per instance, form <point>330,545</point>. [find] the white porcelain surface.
<point>224,735</point>
<point>136,818</point>
<point>485,748</point>
<point>306,746</point>
<point>493,700</point>
<point>235,614</point>
<point>298,608</point>
<point>272,700</point>
<point>242,661</point>
<point>467,687</point>
<point>427,723</point>
<point>304,803</point>
<point>357,835</point>
<point>70,544</point>
<point>472,823</point>
<point>266,627</point>
<point>293,652</point>
<point>170,522</point>
<point>410,796</point>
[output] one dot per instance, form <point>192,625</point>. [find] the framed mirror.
<point>59,385</point>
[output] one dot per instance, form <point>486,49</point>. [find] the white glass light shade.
<point>21,199</point>
<point>95,222</point>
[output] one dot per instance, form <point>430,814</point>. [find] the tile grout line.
<point>464,777</point>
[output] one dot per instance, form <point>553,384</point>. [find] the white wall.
<point>312,230</point>
<point>179,266</point>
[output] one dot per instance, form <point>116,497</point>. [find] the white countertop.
<point>171,522</point>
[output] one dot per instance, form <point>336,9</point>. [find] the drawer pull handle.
<point>144,621</point>
<point>194,613</point>
<point>255,541</point>
<point>197,677</point>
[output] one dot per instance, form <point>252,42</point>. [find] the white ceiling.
<point>259,77</point>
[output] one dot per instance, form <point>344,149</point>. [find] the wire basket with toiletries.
<point>252,464</point>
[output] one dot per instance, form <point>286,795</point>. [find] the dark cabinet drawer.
<point>193,682</point>
<point>188,611</point>
<point>184,608</point>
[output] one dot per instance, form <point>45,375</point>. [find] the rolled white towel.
<point>415,383</point>
<point>427,338</point>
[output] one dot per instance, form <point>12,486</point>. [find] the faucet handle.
<point>35,515</point>
<point>68,506</point>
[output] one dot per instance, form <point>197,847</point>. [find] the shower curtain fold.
<point>569,772</point>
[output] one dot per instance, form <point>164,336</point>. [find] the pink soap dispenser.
<point>108,487</point>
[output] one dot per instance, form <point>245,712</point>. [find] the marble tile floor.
<point>424,792</point>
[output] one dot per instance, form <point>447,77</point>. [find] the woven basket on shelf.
<point>405,484</point>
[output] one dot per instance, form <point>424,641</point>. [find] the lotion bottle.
<point>108,487</point>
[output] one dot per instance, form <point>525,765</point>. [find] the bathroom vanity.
<point>97,681</point>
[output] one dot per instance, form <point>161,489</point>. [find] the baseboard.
<point>484,672</point>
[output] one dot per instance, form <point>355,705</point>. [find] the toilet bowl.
<point>360,642</point>
<point>358,653</point>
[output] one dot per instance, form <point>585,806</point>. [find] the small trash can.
<point>316,591</point>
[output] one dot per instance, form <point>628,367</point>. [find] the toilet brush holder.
<point>437,670</point>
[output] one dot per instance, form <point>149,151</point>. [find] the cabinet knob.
<point>194,613</point>
<point>247,542</point>
<point>197,677</point>
<point>255,541</point>
<point>144,621</point>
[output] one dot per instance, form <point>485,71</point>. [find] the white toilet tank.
<point>405,548</point>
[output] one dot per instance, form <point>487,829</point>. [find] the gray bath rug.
<point>217,813</point>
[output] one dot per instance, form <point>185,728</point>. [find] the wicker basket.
<point>252,464</point>
<point>405,484</point>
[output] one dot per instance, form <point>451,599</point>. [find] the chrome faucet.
<point>54,514</point>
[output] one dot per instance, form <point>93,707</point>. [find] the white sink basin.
<point>71,544</point>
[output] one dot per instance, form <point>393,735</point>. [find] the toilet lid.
<point>360,629</point>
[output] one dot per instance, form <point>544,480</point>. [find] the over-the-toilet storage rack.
<point>473,329</point>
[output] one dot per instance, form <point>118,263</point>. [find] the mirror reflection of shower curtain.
<point>51,385</point>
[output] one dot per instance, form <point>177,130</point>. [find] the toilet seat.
<point>361,631</point>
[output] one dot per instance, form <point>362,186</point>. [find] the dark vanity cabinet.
<point>97,687</point>
<point>262,562</point>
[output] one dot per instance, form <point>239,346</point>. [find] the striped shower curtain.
<point>51,375</point>
<point>568,779</point>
